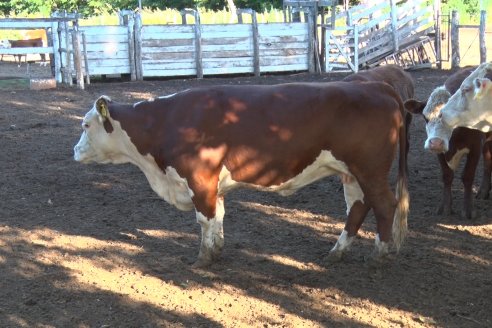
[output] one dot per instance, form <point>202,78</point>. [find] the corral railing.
<point>191,49</point>
<point>371,33</point>
<point>455,42</point>
<point>49,25</point>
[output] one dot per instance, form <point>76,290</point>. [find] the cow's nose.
<point>436,145</point>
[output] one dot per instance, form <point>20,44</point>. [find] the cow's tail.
<point>399,229</point>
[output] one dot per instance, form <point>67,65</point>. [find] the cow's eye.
<point>466,89</point>
<point>85,125</point>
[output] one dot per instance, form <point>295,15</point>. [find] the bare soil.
<point>93,246</point>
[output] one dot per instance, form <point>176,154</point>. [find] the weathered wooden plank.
<point>167,36</point>
<point>120,54</point>
<point>164,72</point>
<point>23,24</point>
<point>164,43</point>
<point>106,70</point>
<point>115,38</point>
<point>280,45</point>
<point>360,12</point>
<point>104,31</point>
<point>26,50</point>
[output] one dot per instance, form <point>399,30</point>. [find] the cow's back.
<point>269,133</point>
<point>394,75</point>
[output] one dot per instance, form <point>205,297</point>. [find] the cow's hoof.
<point>483,194</point>
<point>446,212</point>
<point>334,256</point>
<point>468,215</point>
<point>376,259</point>
<point>202,263</point>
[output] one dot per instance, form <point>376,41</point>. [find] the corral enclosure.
<point>399,31</point>
<point>93,246</point>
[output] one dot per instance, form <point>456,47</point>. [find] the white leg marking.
<point>342,245</point>
<point>381,247</point>
<point>212,239</point>
<point>352,193</point>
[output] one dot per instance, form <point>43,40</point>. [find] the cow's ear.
<point>102,107</point>
<point>482,86</point>
<point>414,106</point>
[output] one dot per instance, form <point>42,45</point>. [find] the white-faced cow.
<point>471,105</point>
<point>198,144</point>
<point>461,142</point>
<point>396,77</point>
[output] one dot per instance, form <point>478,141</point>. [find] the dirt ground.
<point>93,246</point>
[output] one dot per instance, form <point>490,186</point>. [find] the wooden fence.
<point>371,33</point>
<point>455,43</point>
<point>189,49</point>
<point>142,51</point>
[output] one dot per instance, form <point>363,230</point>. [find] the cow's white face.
<point>471,105</point>
<point>438,134</point>
<point>96,144</point>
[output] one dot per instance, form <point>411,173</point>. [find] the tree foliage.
<point>94,7</point>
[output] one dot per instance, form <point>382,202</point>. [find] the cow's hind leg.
<point>356,212</point>
<point>212,238</point>
<point>384,206</point>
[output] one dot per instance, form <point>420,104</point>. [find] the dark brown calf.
<point>38,42</point>
<point>463,141</point>
<point>397,78</point>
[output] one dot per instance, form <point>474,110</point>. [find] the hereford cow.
<point>462,141</point>
<point>395,76</point>
<point>196,145</point>
<point>470,106</point>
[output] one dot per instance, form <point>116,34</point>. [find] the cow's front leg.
<point>356,212</point>
<point>212,238</point>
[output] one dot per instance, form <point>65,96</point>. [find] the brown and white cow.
<point>396,77</point>
<point>196,145</point>
<point>450,150</point>
<point>470,106</point>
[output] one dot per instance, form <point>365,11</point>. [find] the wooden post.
<point>198,39</point>
<point>394,26</point>
<point>138,46</point>
<point>68,55</point>
<point>351,40</point>
<point>483,48</point>
<point>356,49</point>
<point>455,42</point>
<point>437,29</point>
<point>198,47</point>
<point>55,30</point>
<point>77,62</point>
<point>86,60</point>
<point>130,23</point>
<point>255,36</point>
<point>312,41</point>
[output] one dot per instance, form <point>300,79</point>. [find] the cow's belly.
<point>325,165</point>
<point>169,185</point>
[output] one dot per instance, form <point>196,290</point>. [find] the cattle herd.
<point>196,145</point>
